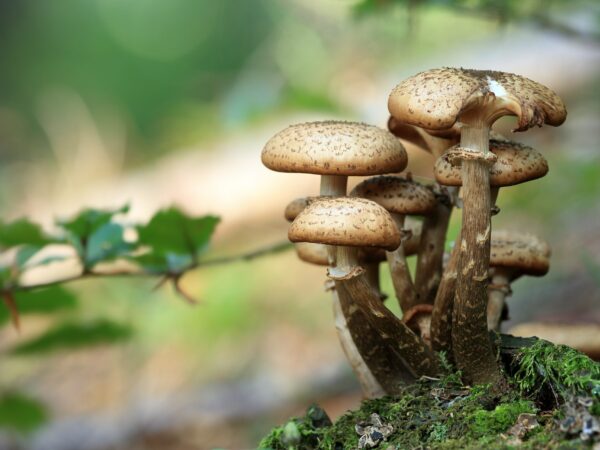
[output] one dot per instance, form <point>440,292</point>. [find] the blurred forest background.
<point>153,103</point>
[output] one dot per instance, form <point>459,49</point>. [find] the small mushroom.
<point>401,197</point>
<point>436,100</point>
<point>349,223</point>
<point>512,255</point>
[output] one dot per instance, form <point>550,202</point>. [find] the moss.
<point>443,414</point>
<point>498,420</point>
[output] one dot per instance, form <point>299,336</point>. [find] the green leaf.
<point>106,244</point>
<point>41,301</point>
<point>85,224</point>
<point>21,413</point>
<point>71,335</point>
<point>22,232</point>
<point>175,240</point>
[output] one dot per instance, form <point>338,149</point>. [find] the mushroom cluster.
<point>453,300</point>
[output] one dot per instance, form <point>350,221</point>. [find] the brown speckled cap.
<point>524,253</point>
<point>410,245</point>
<point>515,163</point>
<point>312,253</point>
<point>296,206</point>
<point>431,141</point>
<point>435,99</point>
<point>397,195</point>
<point>353,222</point>
<point>334,148</point>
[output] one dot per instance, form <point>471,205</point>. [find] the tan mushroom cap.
<point>521,252</point>
<point>515,163</point>
<point>353,222</point>
<point>334,148</point>
<point>435,99</point>
<point>396,194</point>
<point>410,245</point>
<point>296,206</point>
<point>312,253</point>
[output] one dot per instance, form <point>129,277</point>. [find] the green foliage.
<point>41,301</point>
<point>436,414</point>
<point>175,239</point>
<point>21,413</point>
<point>71,335</point>
<point>566,371</point>
<point>499,419</point>
<point>95,237</point>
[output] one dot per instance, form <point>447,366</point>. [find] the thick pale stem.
<point>431,250</point>
<point>497,292</point>
<point>472,348</point>
<point>403,284</point>
<point>334,185</point>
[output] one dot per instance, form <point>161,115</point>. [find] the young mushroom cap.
<point>334,148</point>
<point>435,99</point>
<point>522,253</point>
<point>352,222</point>
<point>397,195</point>
<point>296,206</point>
<point>312,253</point>
<point>515,163</point>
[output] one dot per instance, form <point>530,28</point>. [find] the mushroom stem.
<point>498,289</point>
<point>431,249</point>
<point>334,185</point>
<point>354,334</point>
<point>471,344</point>
<point>412,351</point>
<point>403,284</point>
<point>441,317</point>
<point>378,370</point>
<point>344,322</point>
<point>372,275</point>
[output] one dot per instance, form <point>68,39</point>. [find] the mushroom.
<point>437,100</point>
<point>401,197</point>
<point>435,226</point>
<point>349,223</point>
<point>512,255</point>
<point>515,163</point>
<point>336,150</point>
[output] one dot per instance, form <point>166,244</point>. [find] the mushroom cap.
<point>312,253</point>
<point>396,194</point>
<point>431,141</point>
<point>516,163</point>
<point>435,99</point>
<point>522,253</point>
<point>296,206</point>
<point>353,222</point>
<point>334,148</point>
<point>410,245</point>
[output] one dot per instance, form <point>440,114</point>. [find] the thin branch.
<point>90,274</point>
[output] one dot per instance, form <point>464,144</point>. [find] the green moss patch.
<point>444,414</point>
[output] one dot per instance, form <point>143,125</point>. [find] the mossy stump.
<point>553,402</point>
